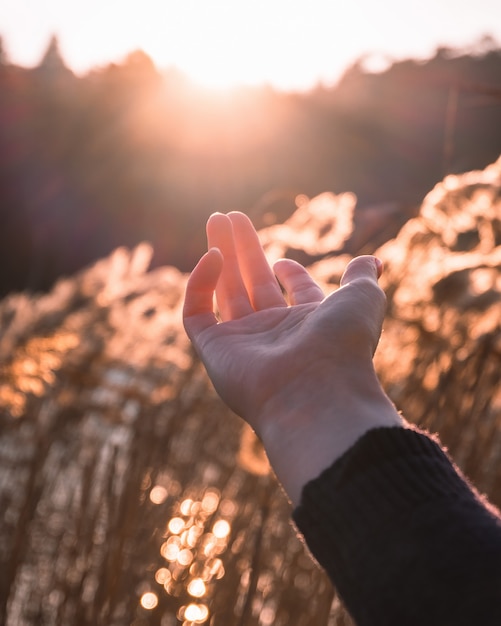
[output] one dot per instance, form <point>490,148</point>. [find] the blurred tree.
<point>127,154</point>
<point>4,60</point>
<point>52,63</point>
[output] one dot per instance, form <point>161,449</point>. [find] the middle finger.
<point>262,286</point>
<point>231,295</point>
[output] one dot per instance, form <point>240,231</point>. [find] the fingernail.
<point>379,266</point>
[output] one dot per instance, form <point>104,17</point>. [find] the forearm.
<point>403,536</point>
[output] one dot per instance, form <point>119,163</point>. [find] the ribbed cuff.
<point>403,536</point>
<point>385,476</point>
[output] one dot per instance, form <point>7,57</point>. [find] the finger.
<point>297,282</point>
<point>362,267</point>
<point>262,286</point>
<point>232,299</point>
<point>362,273</point>
<point>198,313</point>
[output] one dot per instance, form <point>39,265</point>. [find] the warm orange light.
<point>216,568</point>
<point>210,501</point>
<point>186,506</point>
<point>176,525</point>
<point>221,529</point>
<point>149,600</point>
<point>158,494</point>
<point>197,613</point>
<point>171,548</point>
<point>162,575</point>
<point>196,588</point>
<point>185,557</point>
<point>267,616</point>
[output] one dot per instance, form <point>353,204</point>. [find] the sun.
<point>227,43</point>
<point>218,64</point>
<point>230,43</point>
<point>216,44</point>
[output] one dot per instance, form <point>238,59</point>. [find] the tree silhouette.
<point>52,63</point>
<point>128,154</point>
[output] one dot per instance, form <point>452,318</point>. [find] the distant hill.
<point>127,153</point>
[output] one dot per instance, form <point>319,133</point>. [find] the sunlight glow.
<point>224,44</point>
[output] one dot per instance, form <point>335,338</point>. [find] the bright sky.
<point>291,44</point>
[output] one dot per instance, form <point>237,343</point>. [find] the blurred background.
<point>123,122</point>
<point>129,495</point>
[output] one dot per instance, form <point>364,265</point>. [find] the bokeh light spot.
<point>185,557</point>
<point>176,525</point>
<point>158,494</point>
<point>149,600</point>
<point>221,529</point>
<point>162,575</point>
<point>197,588</point>
<point>197,613</point>
<point>170,549</point>
<point>186,506</point>
<point>210,501</point>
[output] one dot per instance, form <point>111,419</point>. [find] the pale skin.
<point>298,368</point>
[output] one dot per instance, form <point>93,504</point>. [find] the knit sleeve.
<point>403,536</point>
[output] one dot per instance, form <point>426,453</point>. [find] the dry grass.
<point>110,429</point>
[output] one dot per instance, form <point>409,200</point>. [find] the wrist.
<point>307,427</point>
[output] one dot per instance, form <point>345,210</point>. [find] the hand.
<point>300,371</point>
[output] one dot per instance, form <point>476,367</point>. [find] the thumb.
<point>362,267</point>
<point>360,279</point>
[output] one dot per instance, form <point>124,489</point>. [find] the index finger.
<point>198,309</point>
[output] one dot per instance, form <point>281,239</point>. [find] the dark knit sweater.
<point>403,536</point>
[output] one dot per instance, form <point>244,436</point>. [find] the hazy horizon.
<point>372,62</point>
<point>241,43</point>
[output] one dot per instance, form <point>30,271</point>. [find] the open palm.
<point>264,352</point>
